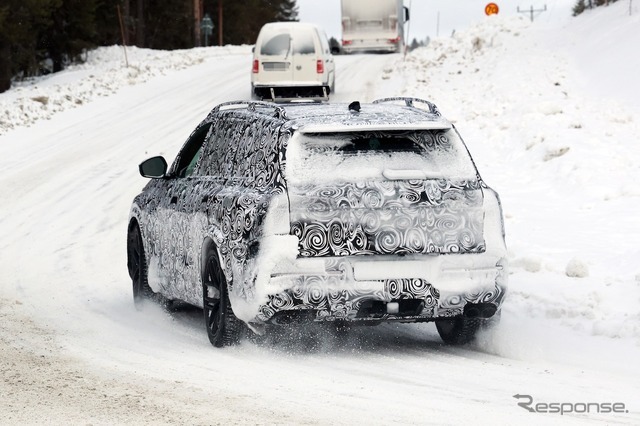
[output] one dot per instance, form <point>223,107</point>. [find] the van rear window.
<point>303,43</point>
<point>298,43</point>
<point>278,44</point>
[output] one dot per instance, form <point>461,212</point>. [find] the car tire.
<point>223,328</point>
<point>458,330</point>
<point>137,265</point>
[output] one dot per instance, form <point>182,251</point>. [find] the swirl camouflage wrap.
<point>388,218</point>
<point>320,242</point>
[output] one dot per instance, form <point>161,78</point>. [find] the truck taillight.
<point>394,40</point>
<point>319,66</point>
<point>256,66</point>
<point>346,42</point>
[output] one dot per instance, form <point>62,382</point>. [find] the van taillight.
<point>319,66</point>
<point>347,42</point>
<point>394,40</point>
<point>256,66</point>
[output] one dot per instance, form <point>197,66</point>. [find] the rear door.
<point>308,65</point>
<point>173,244</point>
<point>383,193</point>
<point>275,56</point>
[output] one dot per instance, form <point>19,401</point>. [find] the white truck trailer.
<point>373,25</point>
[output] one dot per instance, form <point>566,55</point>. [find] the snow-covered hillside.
<point>556,139</point>
<point>564,158</point>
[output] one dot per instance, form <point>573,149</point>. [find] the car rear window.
<point>424,154</point>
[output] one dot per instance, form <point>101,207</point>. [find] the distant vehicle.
<point>327,213</point>
<point>373,25</point>
<point>292,60</point>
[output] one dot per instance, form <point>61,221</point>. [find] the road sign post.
<point>206,26</point>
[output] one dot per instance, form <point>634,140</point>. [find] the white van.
<point>292,60</point>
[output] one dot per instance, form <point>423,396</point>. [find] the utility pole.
<point>532,11</point>
<point>196,22</point>
<point>219,22</point>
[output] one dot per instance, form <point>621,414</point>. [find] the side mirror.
<point>406,13</point>
<point>253,49</point>
<point>154,167</point>
<point>335,50</point>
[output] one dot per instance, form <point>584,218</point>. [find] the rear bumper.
<point>377,288</point>
<point>362,46</point>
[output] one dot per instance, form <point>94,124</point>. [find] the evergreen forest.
<point>43,36</point>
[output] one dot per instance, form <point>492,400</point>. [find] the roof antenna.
<point>354,106</point>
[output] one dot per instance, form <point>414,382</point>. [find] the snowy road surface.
<point>74,350</point>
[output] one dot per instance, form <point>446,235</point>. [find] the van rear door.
<point>275,56</point>
<point>308,66</point>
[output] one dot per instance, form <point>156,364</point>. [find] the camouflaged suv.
<point>347,214</point>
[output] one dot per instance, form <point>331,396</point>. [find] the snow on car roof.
<point>288,25</point>
<point>321,118</point>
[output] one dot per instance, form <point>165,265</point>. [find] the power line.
<point>533,11</point>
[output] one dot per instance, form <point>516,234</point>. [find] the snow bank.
<point>103,73</point>
<point>563,159</point>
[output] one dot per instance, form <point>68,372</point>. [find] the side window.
<point>264,160</point>
<point>219,152</point>
<point>246,144</point>
<point>325,42</point>
<point>190,154</point>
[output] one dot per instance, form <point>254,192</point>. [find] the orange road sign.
<point>491,9</point>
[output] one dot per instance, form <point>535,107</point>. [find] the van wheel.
<point>137,265</point>
<point>458,330</point>
<point>223,328</point>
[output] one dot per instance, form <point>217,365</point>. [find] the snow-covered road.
<point>73,348</point>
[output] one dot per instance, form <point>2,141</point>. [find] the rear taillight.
<point>346,42</point>
<point>394,40</point>
<point>319,66</point>
<point>256,66</point>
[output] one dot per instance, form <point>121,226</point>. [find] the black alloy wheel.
<point>137,265</point>
<point>223,328</point>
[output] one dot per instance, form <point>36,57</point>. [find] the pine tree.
<point>5,51</point>
<point>578,8</point>
<point>107,22</point>
<point>168,24</point>
<point>286,10</point>
<point>72,32</point>
<point>19,32</point>
<point>243,19</point>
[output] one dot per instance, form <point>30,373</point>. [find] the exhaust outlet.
<point>479,310</point>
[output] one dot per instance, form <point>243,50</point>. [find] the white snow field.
<point>549,111</point>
